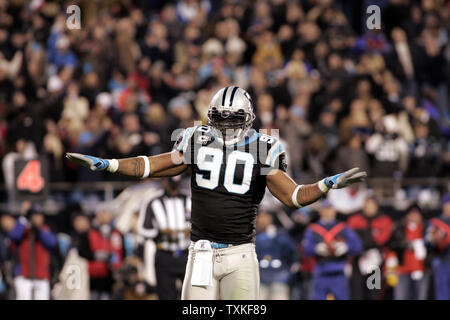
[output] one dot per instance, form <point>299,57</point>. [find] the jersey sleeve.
<point>276,155</point>
<point>186,143</point>
<point>183,141</point>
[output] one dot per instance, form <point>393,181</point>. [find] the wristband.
<point>113,165</point>
<point>146,168</point>
<point>322,186</point>
<point>294,197</point>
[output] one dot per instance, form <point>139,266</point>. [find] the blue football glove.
<point>345,179</point>
<point>93,163</point>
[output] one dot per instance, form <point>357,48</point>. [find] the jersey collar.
<point>251,136</point>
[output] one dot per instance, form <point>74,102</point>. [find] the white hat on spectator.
<point>177,103</point>
<point>401,200</point>
<point>55,84</point>
<point>105,100</point>
<point>213,47</point>
<point>235,45</point>
<point>62,42</point>
<point>428,198</point>
<point>36,5</point>
<point>390,123</point>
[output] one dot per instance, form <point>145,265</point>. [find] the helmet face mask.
<point>226,119</point>
<point>231,115</point>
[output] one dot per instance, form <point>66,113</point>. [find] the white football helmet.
<point>231,114</point>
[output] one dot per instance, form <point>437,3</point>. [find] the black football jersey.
<point>227,182</point>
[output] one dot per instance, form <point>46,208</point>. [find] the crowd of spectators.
<point>319,255</point>
<point>341,95</point>
<point>135,71</point>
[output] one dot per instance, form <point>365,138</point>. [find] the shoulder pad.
<point>271,148</point>
<point>203,135</point>
<point>183,138</point>
<point>194,135</point>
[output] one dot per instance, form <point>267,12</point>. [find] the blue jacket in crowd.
<point>330,265</point>
<point>276,253</point>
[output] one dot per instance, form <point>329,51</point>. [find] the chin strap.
<point>241,133</point>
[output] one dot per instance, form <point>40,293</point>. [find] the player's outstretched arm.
<point>294,195</point>
<point>162,165</point>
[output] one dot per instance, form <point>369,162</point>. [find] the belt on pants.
<point>217,245</point>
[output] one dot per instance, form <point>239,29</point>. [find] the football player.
<point>231,165</point>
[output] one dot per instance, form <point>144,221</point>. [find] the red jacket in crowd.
<point>108,252</point>
<point>44,242</point>
<point>409,260</point>
<point>374,232</point>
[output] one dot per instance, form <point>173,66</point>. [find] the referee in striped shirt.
<point>165,218</point>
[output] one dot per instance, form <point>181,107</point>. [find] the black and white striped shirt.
<point>171,214</point>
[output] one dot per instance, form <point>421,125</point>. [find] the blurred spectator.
<point>276,254</point>
<point>59,53</point>
<point>348,200</point>
<point>130,139</point>
<point>268,52</point>
<point>426,153</point>
<point>90,86</point>
<point>327,125</point>
<point>53,149</point>
<point>73,248</point>
<point>157,45</point>
<point>330,242</point>
<point>137,279</point>
<point>11,68</point>
<point>80,234</point>
<point>372,40</point>
<point>105,255</point>
<point>402,63</point>
<point>133,95</point>
<point>127,48</point>
<point>408,243</point>
<point>390,150</point>
<point>34,243</point>
<point>357,120</point>
<point>352,155</point>
<point>438,240</point>
<point>432,64</point>
<point>76,107</point>
<point>192,9</point>
<point>375,230</point>
<point>156,136</point>
<point>295,130</point>
<point>4,255</point>
<point>181,113</point>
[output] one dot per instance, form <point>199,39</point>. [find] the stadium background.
<point>341,95</point>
